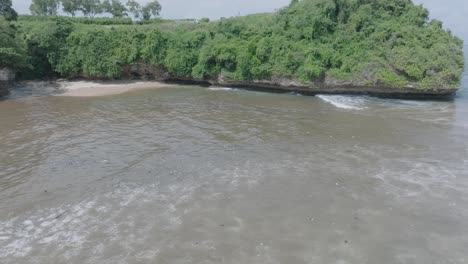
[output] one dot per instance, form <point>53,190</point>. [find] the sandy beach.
<point>93,89</point>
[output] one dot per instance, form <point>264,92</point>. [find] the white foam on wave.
<point>64,233</point>
<point>344,101</point>
<point>295,93</point>
<point>138,219</point>
<point>408,104</point>
<point>421,179</point>
<point>220,89</point>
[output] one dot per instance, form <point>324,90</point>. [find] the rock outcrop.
<point>6,78</point>
<point>326,85</point>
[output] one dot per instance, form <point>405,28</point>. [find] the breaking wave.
<point>344,101</point>
<point>221,89</point>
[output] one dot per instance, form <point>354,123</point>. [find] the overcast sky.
<point>454,13</point>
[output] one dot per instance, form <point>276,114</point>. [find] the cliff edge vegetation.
<point>12,48</point>
<point>310,43</point>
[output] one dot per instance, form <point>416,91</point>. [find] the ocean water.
<point>217,175</point>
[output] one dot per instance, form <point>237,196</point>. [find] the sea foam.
<point>344,101</point>
<point>220,89</point>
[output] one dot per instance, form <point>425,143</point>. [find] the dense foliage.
<point>7,11</point>
<point>12,49</point>
<point>368,42</point>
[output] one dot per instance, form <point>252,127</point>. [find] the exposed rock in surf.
<point>6,77</point>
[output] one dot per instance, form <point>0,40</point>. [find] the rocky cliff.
<point>326,85</point>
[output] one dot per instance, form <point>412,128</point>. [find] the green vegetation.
<point>91,8</point>
<point>365,42</point>
<point>27,19</point>
<point>6,11</point>
<point>12,49</point>
<point>44,7</point>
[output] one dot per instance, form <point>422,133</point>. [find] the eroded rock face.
<point>366,84</point>
<point>145,71</point>
<point>6,77</point>
<point>3,90</point>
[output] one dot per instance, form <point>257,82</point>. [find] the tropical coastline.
<point>129,138</point>
<point>383,48</point>
<point>87,88</point>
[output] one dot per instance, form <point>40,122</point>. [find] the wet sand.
<point>93,89</point>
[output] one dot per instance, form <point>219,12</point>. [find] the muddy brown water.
<point>215,175</point>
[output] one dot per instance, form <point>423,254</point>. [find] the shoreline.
<point>106,88</point>
<point>349,89</point>
<point>90,88</point>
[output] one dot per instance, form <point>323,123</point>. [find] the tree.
<point>134,8</point>
<point>12,50</point>
<point>7,11</point>
<point>293,2</point>
<point>386,43</point>
<point>71,6</point>
<point>151,9</point>
<point>44,7</point>
<point>91,8</point>
<point>115,8</point>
